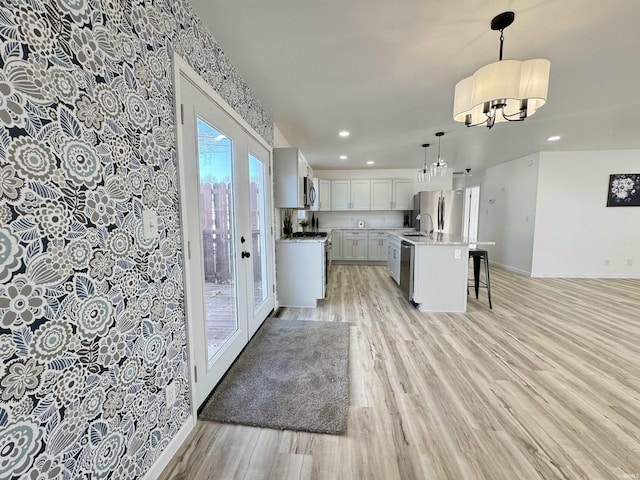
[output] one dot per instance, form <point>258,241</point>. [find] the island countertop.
<point>435,239</point>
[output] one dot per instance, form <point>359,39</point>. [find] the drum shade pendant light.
<point>424,174</point>
<point>439,167</point>
<point>503,91</point>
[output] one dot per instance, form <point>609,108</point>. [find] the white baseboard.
<point>165,457</point>
<point>584,275</point>
<point>510,268</point>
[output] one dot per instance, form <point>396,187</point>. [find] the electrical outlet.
<point>630,262</point>
<point>606,262</point>
<point>150,224</point>
<point>170,393</point>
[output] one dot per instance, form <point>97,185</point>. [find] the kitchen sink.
<point>416,235</point>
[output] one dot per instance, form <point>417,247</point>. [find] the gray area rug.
<point>293,375</point>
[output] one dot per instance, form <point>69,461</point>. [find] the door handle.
<point>245,254</point>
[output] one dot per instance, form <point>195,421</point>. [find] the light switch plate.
<point>150,223</point>
<point>457,253</point>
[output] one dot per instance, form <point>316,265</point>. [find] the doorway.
<point>471,212</point>
<point>226,223</point>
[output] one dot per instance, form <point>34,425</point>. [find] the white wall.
<point>575,232</point>
<point>279,140</point>
<point>508,211</point>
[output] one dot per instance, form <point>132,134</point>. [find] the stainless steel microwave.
<point>309,192</point>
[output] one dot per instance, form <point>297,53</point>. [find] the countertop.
<point>439,239</point>
<point>365,229</point>
<point>304,239</point>
<point>332,229</point>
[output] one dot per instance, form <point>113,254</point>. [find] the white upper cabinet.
<point>351,195</point>
<point>378,194</point>
<point>402,198</point>
<point>360,194</point>
<point>381,195</point>
<point>323,195</point>
<point>289,169</point>
<point>341,195</point>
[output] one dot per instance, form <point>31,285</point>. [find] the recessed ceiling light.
<point>370,162</point>
<point>343,157</point>
<point>553,138</point>
<point>344,133</point>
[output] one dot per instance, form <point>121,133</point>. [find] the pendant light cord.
<point>501,42</point>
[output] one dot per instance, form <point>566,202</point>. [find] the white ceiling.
<point>386,71</point>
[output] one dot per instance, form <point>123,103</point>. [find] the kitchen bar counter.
<point>417,238</point>
<point>434,270</point>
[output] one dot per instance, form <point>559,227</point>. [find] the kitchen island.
<point>301,270</point>
<point>433,270</point>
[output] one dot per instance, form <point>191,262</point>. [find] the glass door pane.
<point>215,160</point>
<point>257,201</point>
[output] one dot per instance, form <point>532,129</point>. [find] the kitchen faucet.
<point>430,232</point>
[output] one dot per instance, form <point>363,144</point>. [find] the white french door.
<point>226,221</point>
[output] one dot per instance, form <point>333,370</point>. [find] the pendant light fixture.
<point>503,91</point>
<point>439,167</point>
<point>424,174</point>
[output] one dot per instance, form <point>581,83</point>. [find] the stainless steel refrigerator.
<point>440,211</point>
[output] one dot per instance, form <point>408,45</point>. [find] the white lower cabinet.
<point>393,258</point>
<point>300,273</point>
<point>354,245</point>
<point>362,246</point>
<point>336,245</point>
<point>377,245</point>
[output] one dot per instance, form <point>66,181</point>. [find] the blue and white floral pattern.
<point>92,325</point>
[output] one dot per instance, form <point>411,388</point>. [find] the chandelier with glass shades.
<point>503,91</point>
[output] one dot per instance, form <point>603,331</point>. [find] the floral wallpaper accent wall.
<point>92,327</point>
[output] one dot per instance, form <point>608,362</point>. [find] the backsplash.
<point>93,357</point>
<point>378,219</point>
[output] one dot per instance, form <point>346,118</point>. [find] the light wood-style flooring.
<point>544,386</point>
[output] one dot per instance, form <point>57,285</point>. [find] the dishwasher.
<point>406,269</point>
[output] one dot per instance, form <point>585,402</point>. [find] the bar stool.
<point>478,255</point>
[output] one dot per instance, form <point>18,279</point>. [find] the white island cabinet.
<point>300,272</point>
<point>440,270</point>
<point>440,277</point>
